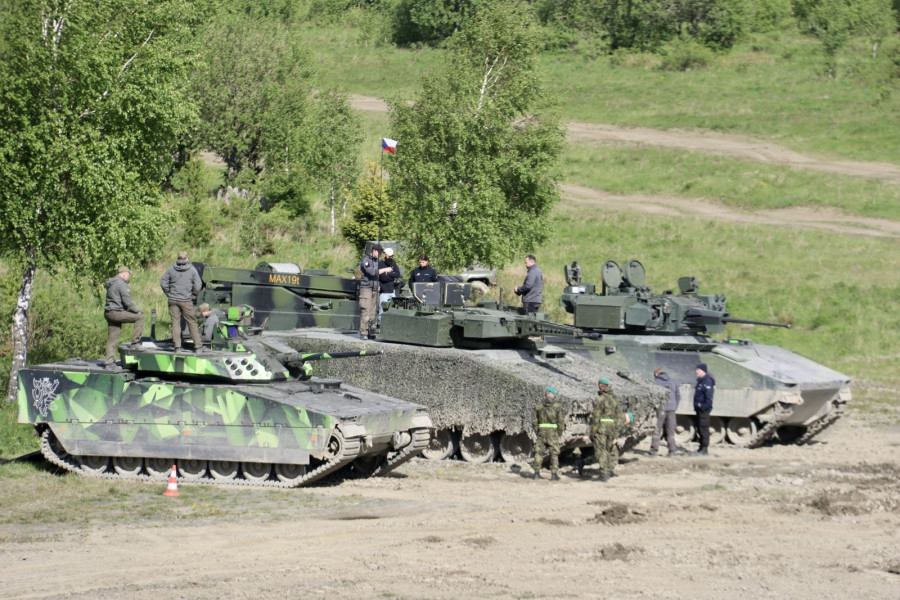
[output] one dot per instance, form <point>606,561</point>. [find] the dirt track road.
<point>780,522</point>
<point>730,146</point>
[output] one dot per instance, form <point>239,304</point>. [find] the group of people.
<point>607,419</point>
<point>380,280</point>
<point>180,283</point>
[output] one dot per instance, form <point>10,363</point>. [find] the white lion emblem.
<point>43,392</point>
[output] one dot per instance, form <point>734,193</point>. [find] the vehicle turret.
<point>625,303</point>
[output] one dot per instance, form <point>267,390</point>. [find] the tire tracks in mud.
<point>816,218</point>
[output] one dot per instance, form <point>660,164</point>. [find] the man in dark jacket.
<point>703,405</point>
<point>368,290</point>
<point>532,289</point>
<point>424,273</point>
<point>388,274</point>
<point>181,284</point>
<point>120,308</point>
<point>666,416</point>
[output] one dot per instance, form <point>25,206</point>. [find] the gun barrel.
<point>749,322</point>
<point>311,356</point>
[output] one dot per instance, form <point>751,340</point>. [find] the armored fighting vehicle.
<point>246,411</point>
<point>761,391</point>
<point>479,369</point>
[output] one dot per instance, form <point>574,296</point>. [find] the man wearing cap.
<point>120,308</point>
<point>181,283</point>
<point>606,419</point>
<point>665,419</point>
<point>549,422</point>
<point>368,289</point>
<point>210,322</point>
<point>703,405</point>
<point>388,273</point>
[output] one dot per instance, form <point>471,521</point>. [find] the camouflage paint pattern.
<point>97,412</point>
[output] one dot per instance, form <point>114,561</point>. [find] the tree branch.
<point>128,62</point>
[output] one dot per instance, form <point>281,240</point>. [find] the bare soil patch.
<point>818,218</point>
<point>817,521</point>
<point>720,145</point>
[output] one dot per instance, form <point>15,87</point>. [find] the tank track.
<point>70,463</point>
<point>822,424</point>
<point>420,439</point>
<point>768,431</point>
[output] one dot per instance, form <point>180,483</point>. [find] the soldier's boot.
<point>604,477</point>
<point>579,465</point>
<point>537,475</point>
<point>554,477</point>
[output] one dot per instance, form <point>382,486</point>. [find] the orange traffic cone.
<point>172,488</point>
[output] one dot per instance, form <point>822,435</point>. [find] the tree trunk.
<point>332,208</point>
<point>20,330</point>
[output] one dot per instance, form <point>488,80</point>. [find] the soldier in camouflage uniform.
<point>549,421</point>
<point>606,419</point>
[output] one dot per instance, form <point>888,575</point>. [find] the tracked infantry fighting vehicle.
<point>478,369</point>
<point>761,391</point>
<point>246,411</point>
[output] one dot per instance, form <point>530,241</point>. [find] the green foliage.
<point>194,213</point>
<point>254,92</point>
<point>92,110</point>
<point>685,54</point>
<point>371,215</point>
<point>475,170</point>
<point>649,24</point>
<point>432,21</point>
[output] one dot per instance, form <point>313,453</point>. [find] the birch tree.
<point>93,97</point>
<point>474,177</point>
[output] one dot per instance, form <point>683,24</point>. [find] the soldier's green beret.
<point>551,390</point>
<point>604,381</point>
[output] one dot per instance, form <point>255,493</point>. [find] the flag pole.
<point>381,196</point>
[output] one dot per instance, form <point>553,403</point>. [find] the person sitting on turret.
<point>210,322</point>
<point>549,422</point>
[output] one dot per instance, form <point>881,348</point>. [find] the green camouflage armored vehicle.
<point>761,391</point>
<point>246,411</point>
<point>478,369</point>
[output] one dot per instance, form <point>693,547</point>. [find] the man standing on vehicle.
<point>388,274</point>
<point>120,308</point>
<point>532,289</point>
<point>703,405</point>
<point>368,289</point>
<point>424,273</point>
<point>181,283</point>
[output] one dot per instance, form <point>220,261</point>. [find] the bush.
<point>685,54</point>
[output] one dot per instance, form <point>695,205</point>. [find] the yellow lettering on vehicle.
<point>283,279</point>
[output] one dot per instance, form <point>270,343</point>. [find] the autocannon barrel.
<point>311,356</point>
<point>749,322</point>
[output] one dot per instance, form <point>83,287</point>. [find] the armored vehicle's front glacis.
<point>220,415</point>
<point>761,391</point>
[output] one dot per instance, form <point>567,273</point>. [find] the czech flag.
<point>388,145</point>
